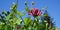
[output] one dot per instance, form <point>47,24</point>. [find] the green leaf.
<point>7,18</point>
<point>11,15</point>
<point>15,21</point>
<point>27,9</point>
<point>18,21</point>
<point>13,6</point>
<point>27,21</point>
<point>3,12</point>
<point>1,25</point>
<point>20,14</point>
<point>7,27</point>
<point>45,15</point>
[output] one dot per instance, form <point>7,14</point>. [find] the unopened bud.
<point>32,3</point>
<point>25,3</point>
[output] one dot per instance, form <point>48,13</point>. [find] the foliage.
<point>12,20</point>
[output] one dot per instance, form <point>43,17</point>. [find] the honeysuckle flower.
<point>34,12</point>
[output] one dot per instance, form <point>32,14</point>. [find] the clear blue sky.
<point>53,7</point>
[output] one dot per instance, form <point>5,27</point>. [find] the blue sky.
<point>53,7</point>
